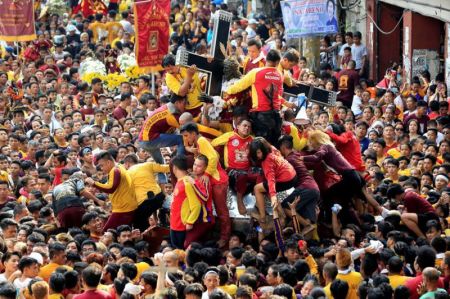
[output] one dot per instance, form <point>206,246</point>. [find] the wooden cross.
<point>314,94</point>
<point>213,69</point>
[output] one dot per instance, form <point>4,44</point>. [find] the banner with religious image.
<point>93,7</point>
<point>17,20</point>
<point>303,18</point>
<point>151,23</point>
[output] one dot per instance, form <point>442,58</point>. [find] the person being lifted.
<point>197,144</point>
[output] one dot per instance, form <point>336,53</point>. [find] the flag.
<point>17,21</point>
<point>151,23</point>
<point>92,7</point>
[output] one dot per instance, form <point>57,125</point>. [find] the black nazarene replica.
<point>317,95</point>
<point>213,69</point>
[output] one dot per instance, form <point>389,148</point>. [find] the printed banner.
<point>309,17</point>
<point>93,7</point>
<point>17,21</point>
<point>151,23</point>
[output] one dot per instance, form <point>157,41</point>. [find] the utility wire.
<point>381,30</point>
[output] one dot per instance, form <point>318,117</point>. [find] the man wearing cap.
<point>86,159</point>
<point>157,131</point>
<point>67,203</point>
<point>183,82</point>
<point>251,28</point>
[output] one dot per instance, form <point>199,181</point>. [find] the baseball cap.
<point>38,257</point>
<point>85,151</point>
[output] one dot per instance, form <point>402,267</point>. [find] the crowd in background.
<point>125,190</point>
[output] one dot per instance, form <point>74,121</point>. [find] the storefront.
<point>413,33</point>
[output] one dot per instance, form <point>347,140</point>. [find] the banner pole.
<point>153,83</point>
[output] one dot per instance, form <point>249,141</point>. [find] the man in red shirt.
<point>418,210</point>
<point>347,144</point>
<point>426,257</point>
<point>347,79</point>
<point>255,58</point>
<point>267,97</point>
<point>236,148</point>
<point>91,279</point>
<point>121,113</point>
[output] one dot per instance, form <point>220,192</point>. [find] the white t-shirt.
<point>127,26</point>
<point>341,51</point>
<point>358,52</point>
<point>20,285</point>
<point>250,32</point>
<point>356,105</point>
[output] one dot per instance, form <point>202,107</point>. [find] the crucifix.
<point>162,271</point>
<point>213,69</point>
<point>314,94</point>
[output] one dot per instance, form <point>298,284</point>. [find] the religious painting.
<point>153,41</point>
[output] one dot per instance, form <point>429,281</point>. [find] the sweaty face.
<point>199,167</point>
<point>244,128</point>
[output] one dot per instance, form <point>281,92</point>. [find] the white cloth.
<point>341,51</point>
<point>250,32</point>
<point>358,52</point>
<point>21,284</point>
<point>356,105</point>
<point>127,26</point>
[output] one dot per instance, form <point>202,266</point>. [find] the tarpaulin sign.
<point>309,17</point>
<point>17,21</point>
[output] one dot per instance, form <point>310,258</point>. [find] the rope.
<point>381,30</point>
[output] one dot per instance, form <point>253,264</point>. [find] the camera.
<point>206,99</point>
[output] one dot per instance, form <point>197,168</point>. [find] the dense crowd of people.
<point>126,193</point>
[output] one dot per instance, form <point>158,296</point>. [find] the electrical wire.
<point>389,32</point>
<point>350,6</point>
